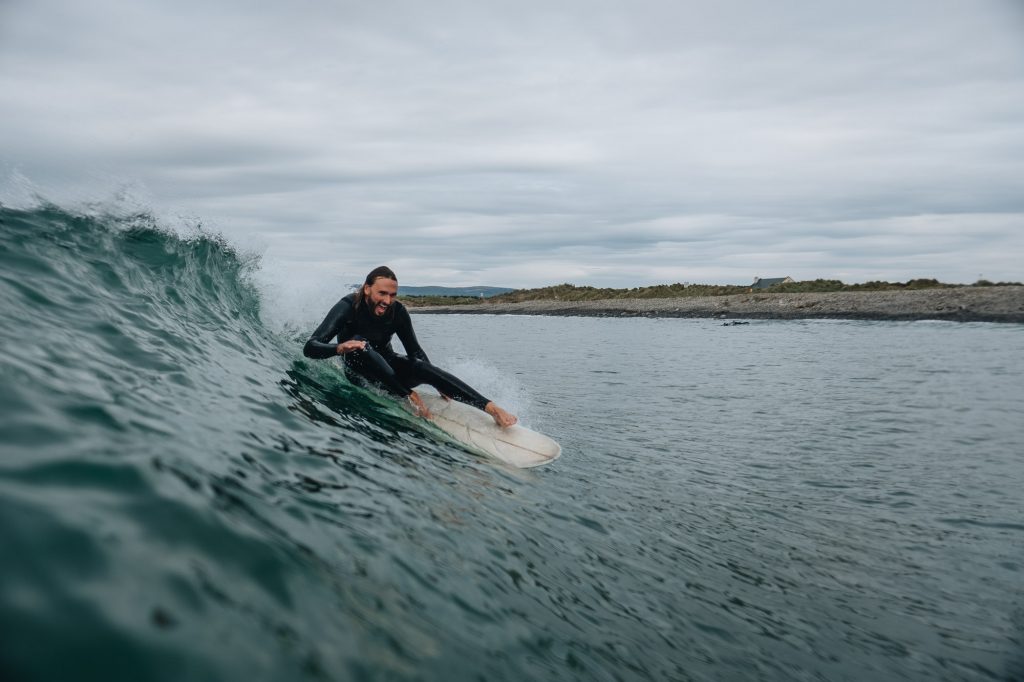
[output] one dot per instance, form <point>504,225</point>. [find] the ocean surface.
<point>183,496</point>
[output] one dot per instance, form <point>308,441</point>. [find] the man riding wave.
<point>363,323</point>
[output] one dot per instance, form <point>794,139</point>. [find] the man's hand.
<point>419,406</point>
<point>351,345</point>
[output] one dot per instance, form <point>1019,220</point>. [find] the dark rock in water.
<point>162,619</point>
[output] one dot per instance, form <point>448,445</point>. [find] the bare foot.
<point>501,417</point>
<point>418,406</point>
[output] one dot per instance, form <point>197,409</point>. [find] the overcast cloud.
<point>530,143</point>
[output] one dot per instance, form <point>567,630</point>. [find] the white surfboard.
<point>515,445</point>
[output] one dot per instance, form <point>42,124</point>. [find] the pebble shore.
<point>962,304</point>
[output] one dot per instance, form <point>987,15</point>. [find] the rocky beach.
<point>962,304</point>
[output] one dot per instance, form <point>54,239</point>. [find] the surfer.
<point>363,323</point>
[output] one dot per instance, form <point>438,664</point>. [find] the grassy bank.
<point>570,292</point>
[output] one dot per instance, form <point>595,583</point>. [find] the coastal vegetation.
<point>418,301</point>
<point>571,292</point>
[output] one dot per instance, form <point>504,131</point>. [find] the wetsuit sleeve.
<point>407,336</point>
<point>319,345</point>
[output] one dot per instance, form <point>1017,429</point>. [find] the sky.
<point>523,144</point>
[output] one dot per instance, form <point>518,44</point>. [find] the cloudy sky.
<point>527,143</point>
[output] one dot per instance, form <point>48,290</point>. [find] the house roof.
<point>765,282</point>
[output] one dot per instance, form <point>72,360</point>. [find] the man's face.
<point>381,294</point>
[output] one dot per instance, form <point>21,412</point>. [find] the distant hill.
<point>475,292</point>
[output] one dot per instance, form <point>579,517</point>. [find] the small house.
<point>768,282</point>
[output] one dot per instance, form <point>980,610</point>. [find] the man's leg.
<point>412,373</point>
<point>371,366</point>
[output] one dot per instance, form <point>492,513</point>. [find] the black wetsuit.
<point>378,362</point>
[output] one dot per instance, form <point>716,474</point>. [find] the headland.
<point>961,304</point>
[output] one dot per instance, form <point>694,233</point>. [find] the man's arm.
<point>319,345</point>
<point>408,337</point>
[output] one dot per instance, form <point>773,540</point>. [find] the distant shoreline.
<point>960,304</point>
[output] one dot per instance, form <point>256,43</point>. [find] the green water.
<point>184,497</point>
